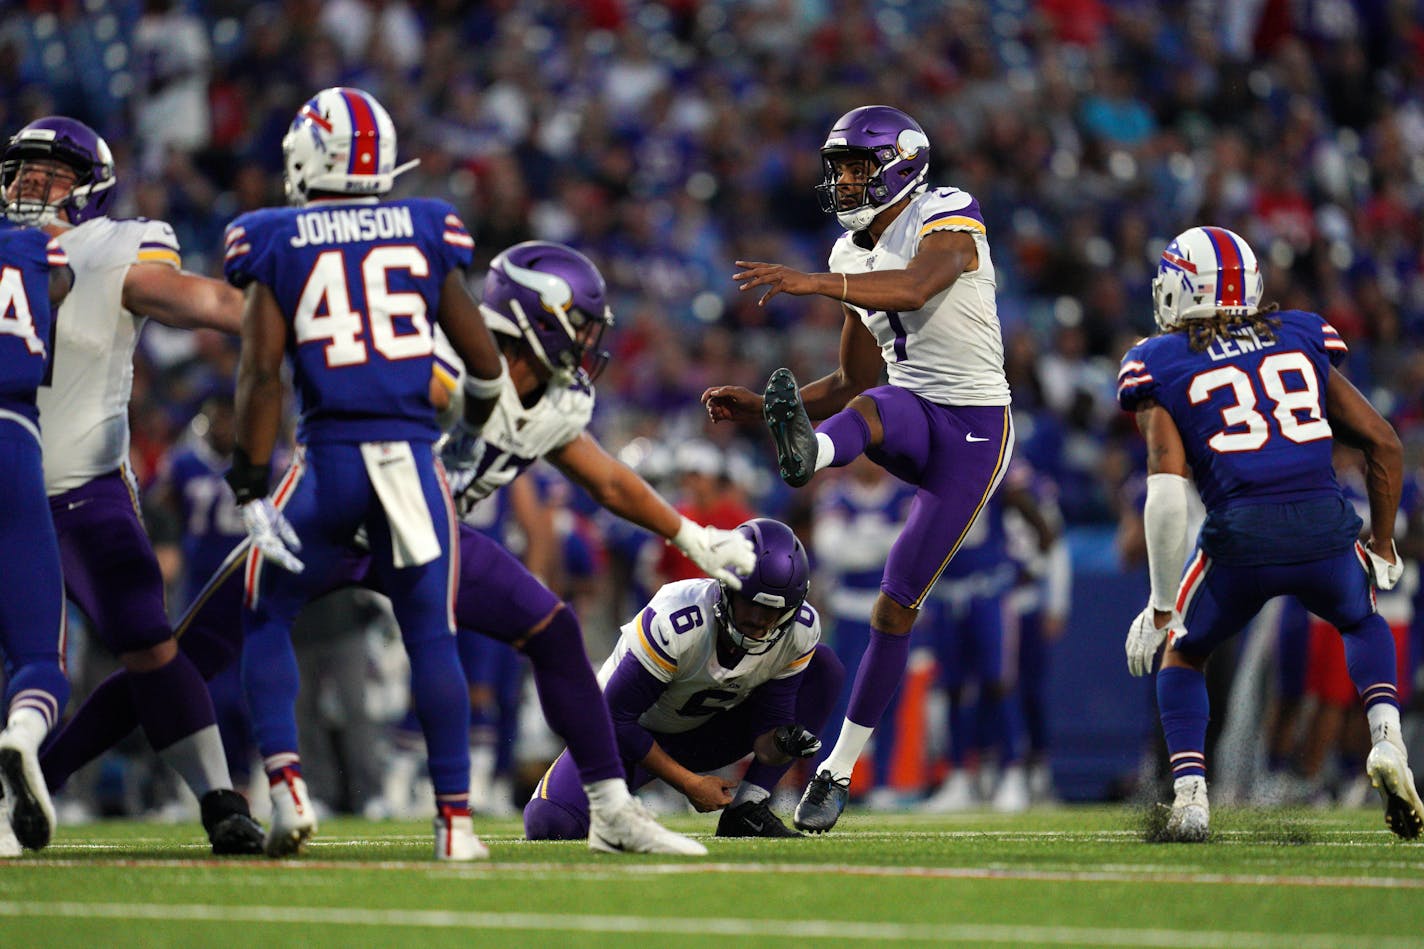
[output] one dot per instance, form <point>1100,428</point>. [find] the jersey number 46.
<point>324,311</point>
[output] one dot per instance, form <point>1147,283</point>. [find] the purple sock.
<point>881,670</point>
<point>821,684</point>
<point>849,432</point>
<point>106,716</point>
<point>171,702</point>
<point>1182,704</point>
<point>572,702</point>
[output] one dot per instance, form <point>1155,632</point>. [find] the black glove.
<point>795,741</point>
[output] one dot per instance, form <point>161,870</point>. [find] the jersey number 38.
<point>1295,408</point>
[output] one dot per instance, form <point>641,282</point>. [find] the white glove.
<point>271,534</point>
<point>722,555</point>
<point>1144,638</point>
<point>460,451</point>
<point>1384,573</point>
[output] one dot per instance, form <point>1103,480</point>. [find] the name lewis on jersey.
<point>349,225</point>
<point>1235,345</point>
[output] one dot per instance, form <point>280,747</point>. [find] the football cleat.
<point>629,828</point>
<point>1389,772</point>
<point>228,821</point>
<point>1012,795</point>
<point>293,817</point>
<point>753,819</point>
<point>9,843</point>
<point>821,805</point>
<point>26,796</point>
<point>956,794</point>
<point>455,837</point>
<point>791,429</point>
<point>1190,819</point>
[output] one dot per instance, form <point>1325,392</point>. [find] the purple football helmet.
<point>553,298</point>
<point>57,138</point>
<point>899,154</point>
<point>764,609</point>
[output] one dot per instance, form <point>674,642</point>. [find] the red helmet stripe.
<point>1231,283</point>
<point>365,135</point>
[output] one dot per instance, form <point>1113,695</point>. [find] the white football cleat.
<point>26,795</point>
<point>1191,814</point>
<point>1012,795</point>
<point>629,828</point>
<point>954,795</point>
<point>293,817</point>
<point>1388,768</point>
<point>455,838</point>
<point>9,843</point>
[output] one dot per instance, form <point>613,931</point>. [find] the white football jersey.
<point>675,639</point>
<point>84,411</point>
<point>515,436</point>
<point>951,350</point>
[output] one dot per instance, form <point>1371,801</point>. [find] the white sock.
<point>749,792</point>
<point>199,761</point>
<point>1384,725</point>
<point>606,795</point>
<point>28,725</point>
<point>849,746</point>
<point>825,450</point>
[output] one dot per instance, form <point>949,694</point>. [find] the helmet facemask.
<point>755,624</point>
<point>50,153</point>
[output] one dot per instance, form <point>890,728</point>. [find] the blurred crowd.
<point>669,139</point>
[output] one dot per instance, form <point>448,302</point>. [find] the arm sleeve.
<point>1165,521</point>
<point>630,692</point>
<point>774,705</point>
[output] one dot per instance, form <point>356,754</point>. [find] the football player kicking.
<point>34,278</point>
<point>922,305</point>
<point>57,172</point>
<point>703,676</point>
<point>547,305</point>
<point>1247,402</point>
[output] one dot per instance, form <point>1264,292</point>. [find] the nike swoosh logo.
<point>756,826</point>
<point>80,503</point>
<point>975,438</point>
<point>608,843</point>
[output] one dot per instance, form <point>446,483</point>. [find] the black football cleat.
<point>752,819</point>
<point>31,813</point>
<point>822,803</point>
<point>228,821</point>
<point>790,428</point>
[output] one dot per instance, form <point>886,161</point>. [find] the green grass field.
<point>1080,876</point>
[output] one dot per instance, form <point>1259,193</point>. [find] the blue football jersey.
<point>359,282</point>
<point>1251,412</point>
<point>26,256</point>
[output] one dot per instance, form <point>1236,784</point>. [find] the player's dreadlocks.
<point>1263,322</point>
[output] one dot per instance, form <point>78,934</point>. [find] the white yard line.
<point>613,869</point>
<point>716,926</point>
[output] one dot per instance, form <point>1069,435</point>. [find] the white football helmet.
<point>1205,270</point>
<point>342,141</point>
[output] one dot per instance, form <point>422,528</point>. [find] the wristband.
<point>479,389</point>
<point>247,480</point>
